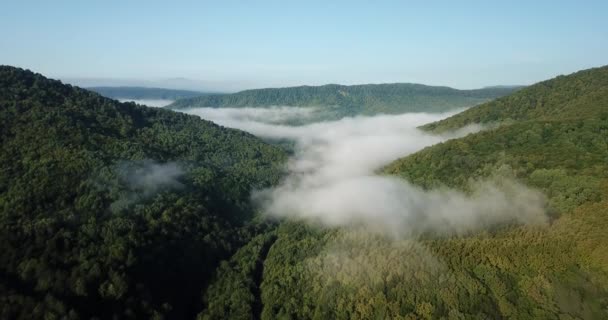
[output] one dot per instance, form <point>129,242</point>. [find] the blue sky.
<point>231,45</point>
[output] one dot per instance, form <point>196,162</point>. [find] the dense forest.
<point>559,271</point>
<point>140,93</point>
<point>112,209</point>
<point>115,210</point>
<point>352,100</point>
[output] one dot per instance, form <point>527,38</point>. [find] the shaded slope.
<point>111,209</point>
<point>235,290</point>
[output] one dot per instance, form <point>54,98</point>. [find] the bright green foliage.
<point>78,238</point>
<point>342,101</point>
<point>559,271</point>
<point>520,273</point>
<point>581,95</point>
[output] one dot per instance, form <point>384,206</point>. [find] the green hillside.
<point>139,93</point>
<point>560,271</point>
<point>115,210</point>
<point>583,94</point>
<point>554,137</point>
<point>351,100</point>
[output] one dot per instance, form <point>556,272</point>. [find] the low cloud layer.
<point>332,176</point>
<point>144,179</point>
<point>274,115</point>
<point>149,176</point>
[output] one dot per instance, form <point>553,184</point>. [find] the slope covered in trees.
<point>139,93</point>
<point>112,209</point>
<point>351,100</point>
<point>554,137</point>
<point>558,271</point>
<point>583,94</point>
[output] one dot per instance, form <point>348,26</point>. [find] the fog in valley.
<point>333,174</point>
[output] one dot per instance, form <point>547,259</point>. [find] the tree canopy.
<point>115,210</point>
<point>112,209</point>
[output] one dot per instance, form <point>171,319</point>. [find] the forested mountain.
<point>351,100</point>
<point>552,136</point>
<point>583,94</point>
<point>139,93</point>
<point>115,210</point>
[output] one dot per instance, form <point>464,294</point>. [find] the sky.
<point>235,45</point>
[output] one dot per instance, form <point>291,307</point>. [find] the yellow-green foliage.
<point>552,136</point>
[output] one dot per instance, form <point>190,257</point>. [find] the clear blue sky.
<point>240,44</point>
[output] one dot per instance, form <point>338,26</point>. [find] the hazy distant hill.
<point>144,93</point>
<point>356,99</point>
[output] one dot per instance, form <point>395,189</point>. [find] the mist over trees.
<point>115,210</point>
<point>557,270</point>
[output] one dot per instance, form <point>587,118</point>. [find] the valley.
<point>114,209</point>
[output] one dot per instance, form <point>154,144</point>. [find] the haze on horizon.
<point>230,46</point>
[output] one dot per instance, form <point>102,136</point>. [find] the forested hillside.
<point>583,94</point>
<point>139,93</point>
<point>558,143</point>
<point>114,210</point>
<point>351,100</point>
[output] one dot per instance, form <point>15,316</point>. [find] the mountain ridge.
<point>579,94</point>
<point>138,93</point>
<point>356,99</point>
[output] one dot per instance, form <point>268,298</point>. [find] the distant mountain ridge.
<point>356,99</point>
<point>114,210</point>
<point>140,93</point>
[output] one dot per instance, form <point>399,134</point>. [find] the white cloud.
<point>332,176</point>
